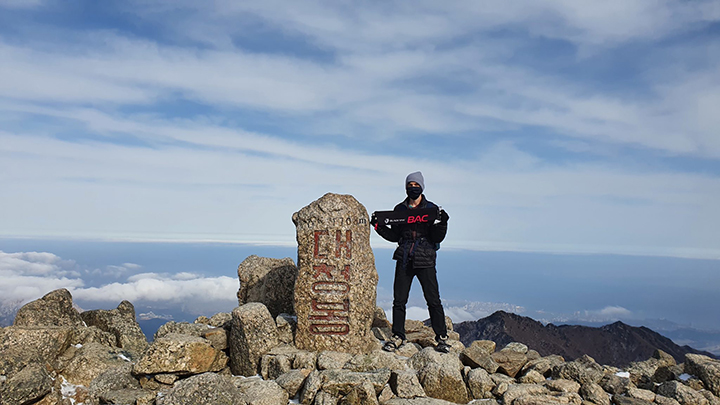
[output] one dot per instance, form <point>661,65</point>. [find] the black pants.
<point>401,291</point>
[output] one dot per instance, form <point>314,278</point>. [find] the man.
<point>415,257</point>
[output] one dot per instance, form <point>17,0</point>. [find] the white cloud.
<point>157,288</point>
<point>459,311</point>
<point>30,275</point>
<point>612,312</point>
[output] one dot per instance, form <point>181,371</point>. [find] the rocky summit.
<point>322,351</point>
<point>240,358</point>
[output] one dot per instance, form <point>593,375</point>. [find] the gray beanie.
<point>417,177</point>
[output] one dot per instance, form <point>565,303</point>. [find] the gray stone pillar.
<point>336,285</point>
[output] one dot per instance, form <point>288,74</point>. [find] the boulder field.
<point>55,355</point>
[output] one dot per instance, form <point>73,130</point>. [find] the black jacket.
<point>417,242</point>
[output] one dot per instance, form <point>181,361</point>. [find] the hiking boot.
<point>442,345</point>
<point>394,343</point>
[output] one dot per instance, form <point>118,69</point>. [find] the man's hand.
<point>373,220</point>
<point>444,216</point>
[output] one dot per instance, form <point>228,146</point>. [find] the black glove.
<point>373,219</point>
<point>444,216</point>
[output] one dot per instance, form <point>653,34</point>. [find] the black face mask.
<point>413,192</point>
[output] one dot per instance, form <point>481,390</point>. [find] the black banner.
<point>425,215</point>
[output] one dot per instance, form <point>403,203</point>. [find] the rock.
<point>424,401</point>
<point>645,395</point>
<point>480,384</point>
<point>268,281</point>
<point>563,385</point>
<point>386,394</point>
<point>167,379</point>
<point>375,361</point>
<point>128,396</point>
<point>683,394</point>
<point>668,373</point>
<point>286,325</point>
<point>533,355</point>
<point>380,319</point>
<point>478,354</point>
<point>272,366</point>
<point>532,377</point>
<point>428,356</point>
<point>85,335</point>
<point>642,373</point>
<point>252,334</point>
<point>383,334</point>
<point>661,400</point>
<point>501,378</point>
<point>331,360</point>
<point>622,400</point>
<point>712,399</point>
<point>408,350</point>
<point>221,320</point>
<point>341,382</point>
<point>258,392</point>
<point>203,389</point>
<point>553,398</point>
<point>583,370</point>
<point>444,381</point>
<point>113,379</point>
<point>292,381</point>
<point>27,386</point>
<point>509,362</point>
<point>593,393</point>
<point>405,384</point>
<point>312,385</point>
<point>303,359</point>
<point>217,337</point>
<point>22,346</point>
<point>363,394</point>
<point>324,398</point>
<point>54,309</point>
<point>500,388</point>
<point>120,323</point>
<point>336,285</point>
<point>181,354</point>
<point>90,361</point>
<point>616,385</point>
<point>181,328</point>
<point>706,368</point>
<point>522,390</point>
<point>543,365</point>
<point>516,347</point>
<point>694,383</point>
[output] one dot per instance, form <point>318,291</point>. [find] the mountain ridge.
<point>616,344</point>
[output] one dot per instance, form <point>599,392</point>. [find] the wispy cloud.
<point>540,126</point>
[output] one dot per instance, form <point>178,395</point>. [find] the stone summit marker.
<point>337,280</point>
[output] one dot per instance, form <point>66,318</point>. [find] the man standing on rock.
<point>415,257</point>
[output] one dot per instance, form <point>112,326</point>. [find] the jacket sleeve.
<point>438,232</point>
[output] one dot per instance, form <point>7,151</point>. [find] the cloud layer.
<point>30,275</point>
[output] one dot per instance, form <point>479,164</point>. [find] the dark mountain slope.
<point>616,344</point>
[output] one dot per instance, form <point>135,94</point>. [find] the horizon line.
<point>472,246</point>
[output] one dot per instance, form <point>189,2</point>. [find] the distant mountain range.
<point>616,344</point>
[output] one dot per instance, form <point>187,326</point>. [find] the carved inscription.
<point>330,307</point>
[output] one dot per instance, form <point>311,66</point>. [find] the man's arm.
<point>386,232</point>
<point>439,229</point>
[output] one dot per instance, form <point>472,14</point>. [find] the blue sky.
<point>555,126</point>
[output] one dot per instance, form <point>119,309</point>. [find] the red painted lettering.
<point>347,244</point>
<point>316,249</point>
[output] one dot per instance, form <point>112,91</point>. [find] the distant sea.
<point>665,294</point>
